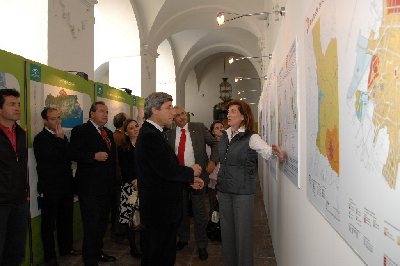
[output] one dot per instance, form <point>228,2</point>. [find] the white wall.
<point>24,28</point>
<point>201,99</point>
<point>301,236</point>
<point>116,40</point>
<point>70,35</point>
<point>166,81</point>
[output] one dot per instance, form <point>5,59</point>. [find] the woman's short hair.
<point>156,99</point>
<point>245,110</point>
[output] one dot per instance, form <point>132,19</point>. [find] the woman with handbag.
<point>128,205</point>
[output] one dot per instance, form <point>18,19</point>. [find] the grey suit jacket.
<point>200,136</point>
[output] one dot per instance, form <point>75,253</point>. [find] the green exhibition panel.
<point>12,77</point>
<point>116,100</point>
<point>72,96</point>
<point>138,109</point>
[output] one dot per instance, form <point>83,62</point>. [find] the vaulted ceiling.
<point>191,29</point>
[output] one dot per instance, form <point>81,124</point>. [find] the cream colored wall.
<point>201,98</point>
<point>166,70</point>
<point>70,35</point>
<point>301,236</point>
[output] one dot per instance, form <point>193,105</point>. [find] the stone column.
<point>148,66</point>
<point>71,35</point>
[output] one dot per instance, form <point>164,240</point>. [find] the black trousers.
<point>13,231</point>
<point>56,216</point>
<point>95,211</point>
<point>159,245</point>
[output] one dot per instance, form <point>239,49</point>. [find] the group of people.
<point>165,167</point>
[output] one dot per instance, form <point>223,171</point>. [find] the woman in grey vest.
<point>238,149</point>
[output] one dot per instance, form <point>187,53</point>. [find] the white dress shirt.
<point>256,143</point>
<point>189,152</point>
<point>155,124</point>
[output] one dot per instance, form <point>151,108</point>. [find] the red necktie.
<point>181,147</point>
<point>105,138</point>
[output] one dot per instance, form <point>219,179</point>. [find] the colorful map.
<point>288,114</point>
<point>328,110</point>
<point>69,107</point>
<point>352,53</point>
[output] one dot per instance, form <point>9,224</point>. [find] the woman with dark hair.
<point>216,129</point>
<point>126,155</point>
<point>238,152</point>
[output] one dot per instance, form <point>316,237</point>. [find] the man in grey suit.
<point>189,143</point>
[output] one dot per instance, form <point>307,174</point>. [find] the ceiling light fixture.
<point>233,59</point>
<point>237,79</point>
<point>221,15</point>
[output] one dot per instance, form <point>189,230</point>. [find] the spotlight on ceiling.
<point>221,18</point>
<point>234,59</point>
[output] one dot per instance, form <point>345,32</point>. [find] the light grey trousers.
<point>236,216</point>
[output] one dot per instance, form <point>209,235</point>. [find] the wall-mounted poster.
<point>353,115</point>
<point>288,129</point>
<point>50,87</point>
<point>138,109</point>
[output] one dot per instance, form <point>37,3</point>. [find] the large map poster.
<point>117,101</point>
<point>70,94</point>
<point>288,129</point>
<point>352,52</point>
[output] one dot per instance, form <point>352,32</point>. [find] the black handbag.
<point>214,227</point>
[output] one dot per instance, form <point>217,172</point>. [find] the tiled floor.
<point>263,250</point>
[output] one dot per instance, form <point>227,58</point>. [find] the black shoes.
<point>180,245</point>
<point>106,258</point>
<point>72,252</point>
<point>203,254</point>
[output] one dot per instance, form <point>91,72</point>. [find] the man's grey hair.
<point>156,99</point>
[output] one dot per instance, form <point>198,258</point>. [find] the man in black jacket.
<point>160,182</point>
<point>54,186</point>
<point>13,181</point>
<point>93,148</point>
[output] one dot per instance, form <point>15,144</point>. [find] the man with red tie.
<point>189,141</point>
<point>93,148</point>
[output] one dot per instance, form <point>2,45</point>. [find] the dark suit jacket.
<point>13,168</point>
<point>200,136</point>
<point>94,178</point>
<point>127,164</point>
<point>160,178</point>
<point>53,164</point>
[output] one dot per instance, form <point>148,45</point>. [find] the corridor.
<point>263,250</point>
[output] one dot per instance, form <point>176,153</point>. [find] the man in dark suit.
<point>13,180</point>
<point>189,143</point>
<point>93,148</point>
<point>54,186</point>
<point>160,182</point>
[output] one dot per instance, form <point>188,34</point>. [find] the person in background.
<point>54,186</point>
<point>160,182</point>
<point>216,129</point>
<point>236,183</point>
<point>189,142</point>
<point>93,148</point>
<point>126,154</point>
<point>14,207</point>
<point>119,136</point>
